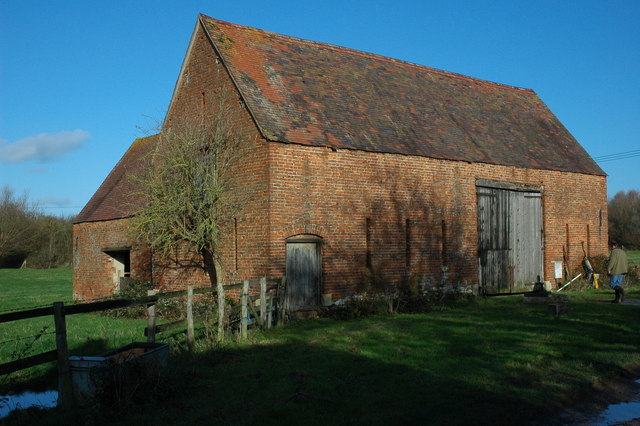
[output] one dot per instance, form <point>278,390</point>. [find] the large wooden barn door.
<point>303,274</point>
<point>526,239</point>
<point>509,239</point>
<point>493,240</point>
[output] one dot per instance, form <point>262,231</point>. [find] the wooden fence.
<point>263,315</point>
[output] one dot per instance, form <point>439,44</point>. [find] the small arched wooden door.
<point>303,272</point>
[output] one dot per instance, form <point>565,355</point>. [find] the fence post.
<point>190,338</point>
<point>65,388</point>
<point>270,312</point>
<point>281,300</point>
<point>151,319</point>
<point>263,300</point>
<point>220,312</point>
<point>243,312</point>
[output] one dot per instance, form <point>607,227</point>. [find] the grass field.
<point>29,288</point>
<point>634,257</point>
<point>87,334</point>
<point>483,361</point>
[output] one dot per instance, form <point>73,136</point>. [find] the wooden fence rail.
<point>263,314</point>
<point>60,311</point>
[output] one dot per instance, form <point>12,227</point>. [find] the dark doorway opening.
<point>121,267</point>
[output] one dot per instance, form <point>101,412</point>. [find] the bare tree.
<point>187,184</point>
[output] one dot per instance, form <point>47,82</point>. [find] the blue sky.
<point>80,80</point>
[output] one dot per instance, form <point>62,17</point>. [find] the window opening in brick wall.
<point>120,260</point>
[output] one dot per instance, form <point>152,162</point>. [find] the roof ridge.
<point>376,56</point>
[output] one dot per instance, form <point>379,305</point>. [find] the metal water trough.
<point>85,369</point>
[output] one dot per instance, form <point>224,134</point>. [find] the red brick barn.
<point>364,169</point>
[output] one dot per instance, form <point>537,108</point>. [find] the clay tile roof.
<point>317,94</point>
<point>116,196</point>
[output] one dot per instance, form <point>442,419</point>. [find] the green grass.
<point>87,334</point>
<point>487,361</point>
<point>634,257</point>
<point>27,288</point>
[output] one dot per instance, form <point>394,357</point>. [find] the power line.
<point>618,156</point>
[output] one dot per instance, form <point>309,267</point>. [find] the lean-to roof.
<point>118,196</point>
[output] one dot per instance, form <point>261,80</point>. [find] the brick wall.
<point>93,268</point>
<point>332,194</point>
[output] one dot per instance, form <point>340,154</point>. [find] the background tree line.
<point>43,241</point>
<point>624,219</point>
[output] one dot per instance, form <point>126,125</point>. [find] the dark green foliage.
<point>166,309</point>
<point>599,264</point>
<point>405,302</point>
<point>357,308</point>
<point>416,303</point>
<point>18,229</point>
<point>134,290</point>
<point>624,219</point>
<point>28,235</point>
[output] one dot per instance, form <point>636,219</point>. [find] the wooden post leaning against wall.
<point>281,300</point>
<point>568,252</point>
<point>190,337</point>
<point>65,387</point>
<point>151,319</point>
<point>220,313</point>
<point>244,311</point>
<point>270,311</point>
<point>263,300</point>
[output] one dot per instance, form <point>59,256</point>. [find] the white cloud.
<point>42,147</point>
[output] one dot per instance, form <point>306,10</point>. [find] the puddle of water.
<point>620,413</point>
<point>8,403</point>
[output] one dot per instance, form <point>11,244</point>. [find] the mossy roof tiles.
<point>317,94</point>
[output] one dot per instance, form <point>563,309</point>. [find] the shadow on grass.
<point>505,363</point>
<point>304,384</point>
